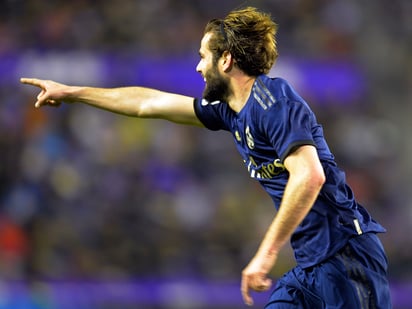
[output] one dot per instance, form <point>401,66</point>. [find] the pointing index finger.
<point>31,81</point>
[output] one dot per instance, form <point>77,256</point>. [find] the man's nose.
<point>198,69</point>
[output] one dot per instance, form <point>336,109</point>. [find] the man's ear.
<point>227,61</point>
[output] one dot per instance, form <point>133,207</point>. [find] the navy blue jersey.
<point>273,123</point>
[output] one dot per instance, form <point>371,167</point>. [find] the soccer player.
<point>340,261</point>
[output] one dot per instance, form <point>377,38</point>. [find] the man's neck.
<point>241,88</point>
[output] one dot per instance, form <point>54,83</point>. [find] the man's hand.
<point>254,276</point>
<point>51,93</point>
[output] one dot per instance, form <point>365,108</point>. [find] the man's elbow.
<point>318,178</point>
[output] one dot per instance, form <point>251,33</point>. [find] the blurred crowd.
<point>89,194</point>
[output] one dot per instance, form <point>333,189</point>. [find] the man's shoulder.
<point>268,91</point>
<point>277,85</point>
<point>279,88</point>
<point>273,80</point>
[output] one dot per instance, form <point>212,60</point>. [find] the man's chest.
<point>253,144</point>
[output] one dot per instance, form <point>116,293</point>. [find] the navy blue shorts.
<point>354,278</point>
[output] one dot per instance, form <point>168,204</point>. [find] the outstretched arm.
<point>131,101</point>
<point>306,178</point>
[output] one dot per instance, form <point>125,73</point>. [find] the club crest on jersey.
<point>249,138</point>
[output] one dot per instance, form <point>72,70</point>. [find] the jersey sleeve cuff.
<point>293,146</point>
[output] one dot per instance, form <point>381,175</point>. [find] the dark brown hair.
<point>249,35</point>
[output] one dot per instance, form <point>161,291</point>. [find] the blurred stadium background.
<point>103,211</point>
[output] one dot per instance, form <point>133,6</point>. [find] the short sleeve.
<point>213,115</point>
<point>288,125</point>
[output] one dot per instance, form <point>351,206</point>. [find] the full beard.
<point>217,87</point>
